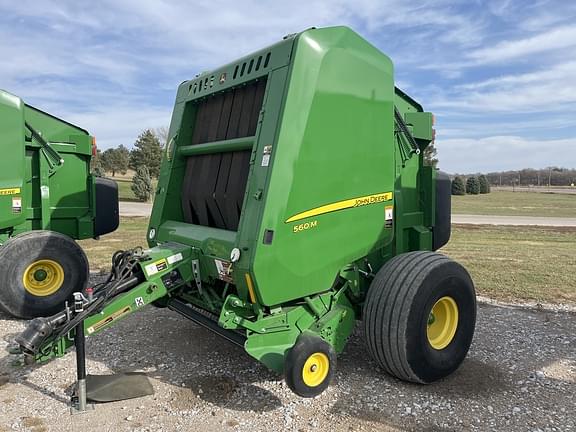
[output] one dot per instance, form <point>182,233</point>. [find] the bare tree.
<point>162,135</point>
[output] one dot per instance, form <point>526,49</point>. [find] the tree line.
<point>550,176</point>
<point>473,185</point>
<point>145,159</point>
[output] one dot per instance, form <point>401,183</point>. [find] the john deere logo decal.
<point>343,205</point>
<point>10,191</point>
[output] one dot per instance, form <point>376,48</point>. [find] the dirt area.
<point>519,376</point>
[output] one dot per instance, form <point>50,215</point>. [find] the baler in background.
<point>48,199</point>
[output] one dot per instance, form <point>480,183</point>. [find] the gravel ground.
<point>520,375</point>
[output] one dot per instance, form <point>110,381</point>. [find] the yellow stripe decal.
<point>109,319</point>
<point>250,288</point>
<point>343,205</point>
<point>10,191</point>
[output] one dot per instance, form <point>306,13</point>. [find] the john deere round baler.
<point>293,202</point>
<point>48,199</point>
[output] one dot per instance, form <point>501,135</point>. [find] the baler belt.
<point>214,184</point>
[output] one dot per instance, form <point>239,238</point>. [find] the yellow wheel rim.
<point>315,369</point>
<point>442,323</point>
<point>43,277</point>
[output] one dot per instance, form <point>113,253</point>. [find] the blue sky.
<point>499,75</point>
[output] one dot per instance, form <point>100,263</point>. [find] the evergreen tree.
<point>122,159</point>
<point>473,185</point>
<point>484,185</point>
<point>116,160</point>
<point>147,152</point>
<point>106,161</point>
<point>96,165</point>
<point>430,155</point>
<point>458,186</point>
<point>97,171</point>
<point>142,183</point>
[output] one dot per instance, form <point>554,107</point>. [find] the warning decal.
<point>156,267</point>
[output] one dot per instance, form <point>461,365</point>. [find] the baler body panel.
<point>210,177</point>
<point>290,155</point>
<point>12,165</point>
<point>332,170</point>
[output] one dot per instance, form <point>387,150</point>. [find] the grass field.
<point>132,233</point>
<point>506,263</point>
<point>516,204</point>
<point>125,188</point>
<point>527,263</point>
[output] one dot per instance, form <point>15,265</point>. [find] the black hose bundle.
<point>41,332</point>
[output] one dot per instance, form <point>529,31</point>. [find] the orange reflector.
<point>94,148</point>
<point>250,287</point>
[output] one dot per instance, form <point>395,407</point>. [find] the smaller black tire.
<point>40,270</point>
<point>309,366</point>
<point>419,316</point>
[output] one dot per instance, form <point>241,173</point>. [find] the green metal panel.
<point>335,143</point>
<point>52,169</point>
<point>414,186</point>
<point>12,190</point>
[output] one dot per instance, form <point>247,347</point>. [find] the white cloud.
<point>120,123</point>
<point>555,39</point>
<point>556,73</point>
<point>545,90</point>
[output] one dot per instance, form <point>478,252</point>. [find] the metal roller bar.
<point>237,144</point>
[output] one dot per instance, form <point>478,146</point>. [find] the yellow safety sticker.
<point>156,267</point>
<point>108,320</point>
<point>343,205</point>
<point>10,191</point>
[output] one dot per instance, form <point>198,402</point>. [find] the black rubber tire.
<point>24,249</point>
<point>396,314</point>
<point>305,346</point>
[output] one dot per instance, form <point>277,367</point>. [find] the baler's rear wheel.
<point>40,270</point>
<point>309,366</point>
<point>419,316</point>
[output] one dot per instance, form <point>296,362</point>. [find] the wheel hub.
<point>315,369</point>
<point>442,323</point>
<point>43,277</point>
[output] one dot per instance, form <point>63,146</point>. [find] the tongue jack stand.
<point>78,402</point>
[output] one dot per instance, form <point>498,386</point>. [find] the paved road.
<point>541,189</point>
<point>128,208</point>
<point>512,220</point>
<point>144,209</point>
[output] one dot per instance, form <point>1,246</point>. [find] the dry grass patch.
<point>518,263</point>
<point>503,203</point>
<point>131,233</point>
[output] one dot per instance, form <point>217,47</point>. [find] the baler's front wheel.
<point>40,271</point>
<point>309,366</point>
<point>419,316</point>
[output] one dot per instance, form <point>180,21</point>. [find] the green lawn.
<point>131,233</point>
<point>516,204</point>
<point>525,263</point>
<point>506,263</point>
<point>125,188</point>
